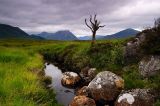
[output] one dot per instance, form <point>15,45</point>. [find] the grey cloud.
<point>38,15</point>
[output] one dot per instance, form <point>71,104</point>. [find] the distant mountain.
<point>10,32</point>
<point>59,35</point>
<point>122,34</point>
<point>37,37</point>
<point>90,37</point>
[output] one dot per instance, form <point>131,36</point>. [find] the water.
<point>63,95</point>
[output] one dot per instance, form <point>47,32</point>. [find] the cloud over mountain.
<point>53,15</point>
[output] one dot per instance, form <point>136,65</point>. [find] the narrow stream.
<point>63,95</point>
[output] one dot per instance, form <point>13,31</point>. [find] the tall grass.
<point>105,55</point>
<point>19,86</point>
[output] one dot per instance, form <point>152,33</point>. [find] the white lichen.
<point>73,74</point>
<point>98,83</point>
<point>99,86</point>
<point>98,80</point>
<point>128,97</point>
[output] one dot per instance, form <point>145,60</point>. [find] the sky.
<point>35,16</point>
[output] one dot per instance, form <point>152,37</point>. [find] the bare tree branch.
<point>95,17</point>
<point>88,25</point>
<point>102,26</point>
<point>91,20</point>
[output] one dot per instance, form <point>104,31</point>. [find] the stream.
<point>63,95</point>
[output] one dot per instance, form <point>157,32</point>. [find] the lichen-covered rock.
<point>70,79</point>
<point>132,49</point>
<point>149,66</point>
<point>88,74</point>
<point>105,86</point>
<point>135,97</point>
<point>83,91</point>
<point>82,101</point>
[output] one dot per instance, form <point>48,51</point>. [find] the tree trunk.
<point>93,38</point>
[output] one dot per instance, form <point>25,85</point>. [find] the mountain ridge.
<point>59,35</point>
<point>129,32</point>
<point>11,32</point>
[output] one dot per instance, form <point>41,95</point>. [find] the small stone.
<point>70,79</point>
<point>88,74</point>
<point>83,91</point>
<point>82,101</point>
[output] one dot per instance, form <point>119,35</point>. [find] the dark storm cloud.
<point>52,15</point>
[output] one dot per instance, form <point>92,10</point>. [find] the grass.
<point>20,83</point>
<point>105,55</point>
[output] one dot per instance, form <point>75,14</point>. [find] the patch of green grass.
<point>133,79</point>
<point>18,84</point>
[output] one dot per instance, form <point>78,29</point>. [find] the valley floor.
<point>21,63</point>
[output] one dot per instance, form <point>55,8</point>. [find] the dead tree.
<point>94,26</point>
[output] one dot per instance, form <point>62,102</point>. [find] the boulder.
<point>149,66</point>
<point>83,91</point>
<point>88,74</point>
<point>135,97</point>
<point>132,49</point>
<point>106,86</point>
<point>82,101</point>
<point>70,79</point>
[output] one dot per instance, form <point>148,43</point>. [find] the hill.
<point>122,34</point>
<point>10,32</point>
<point>37,37</point>
<point>90,37</point>
<point>59,35</point>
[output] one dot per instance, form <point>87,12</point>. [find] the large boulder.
<point>88,74</point>
<point>149,66</point>
<point>106,86</point>
<point>70,79</point>
<point>135,97</point>
<point>82,101</point>
<point>132,48</point>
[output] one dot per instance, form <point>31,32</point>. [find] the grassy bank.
<point>105,55</point>
<point>20,82</point>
